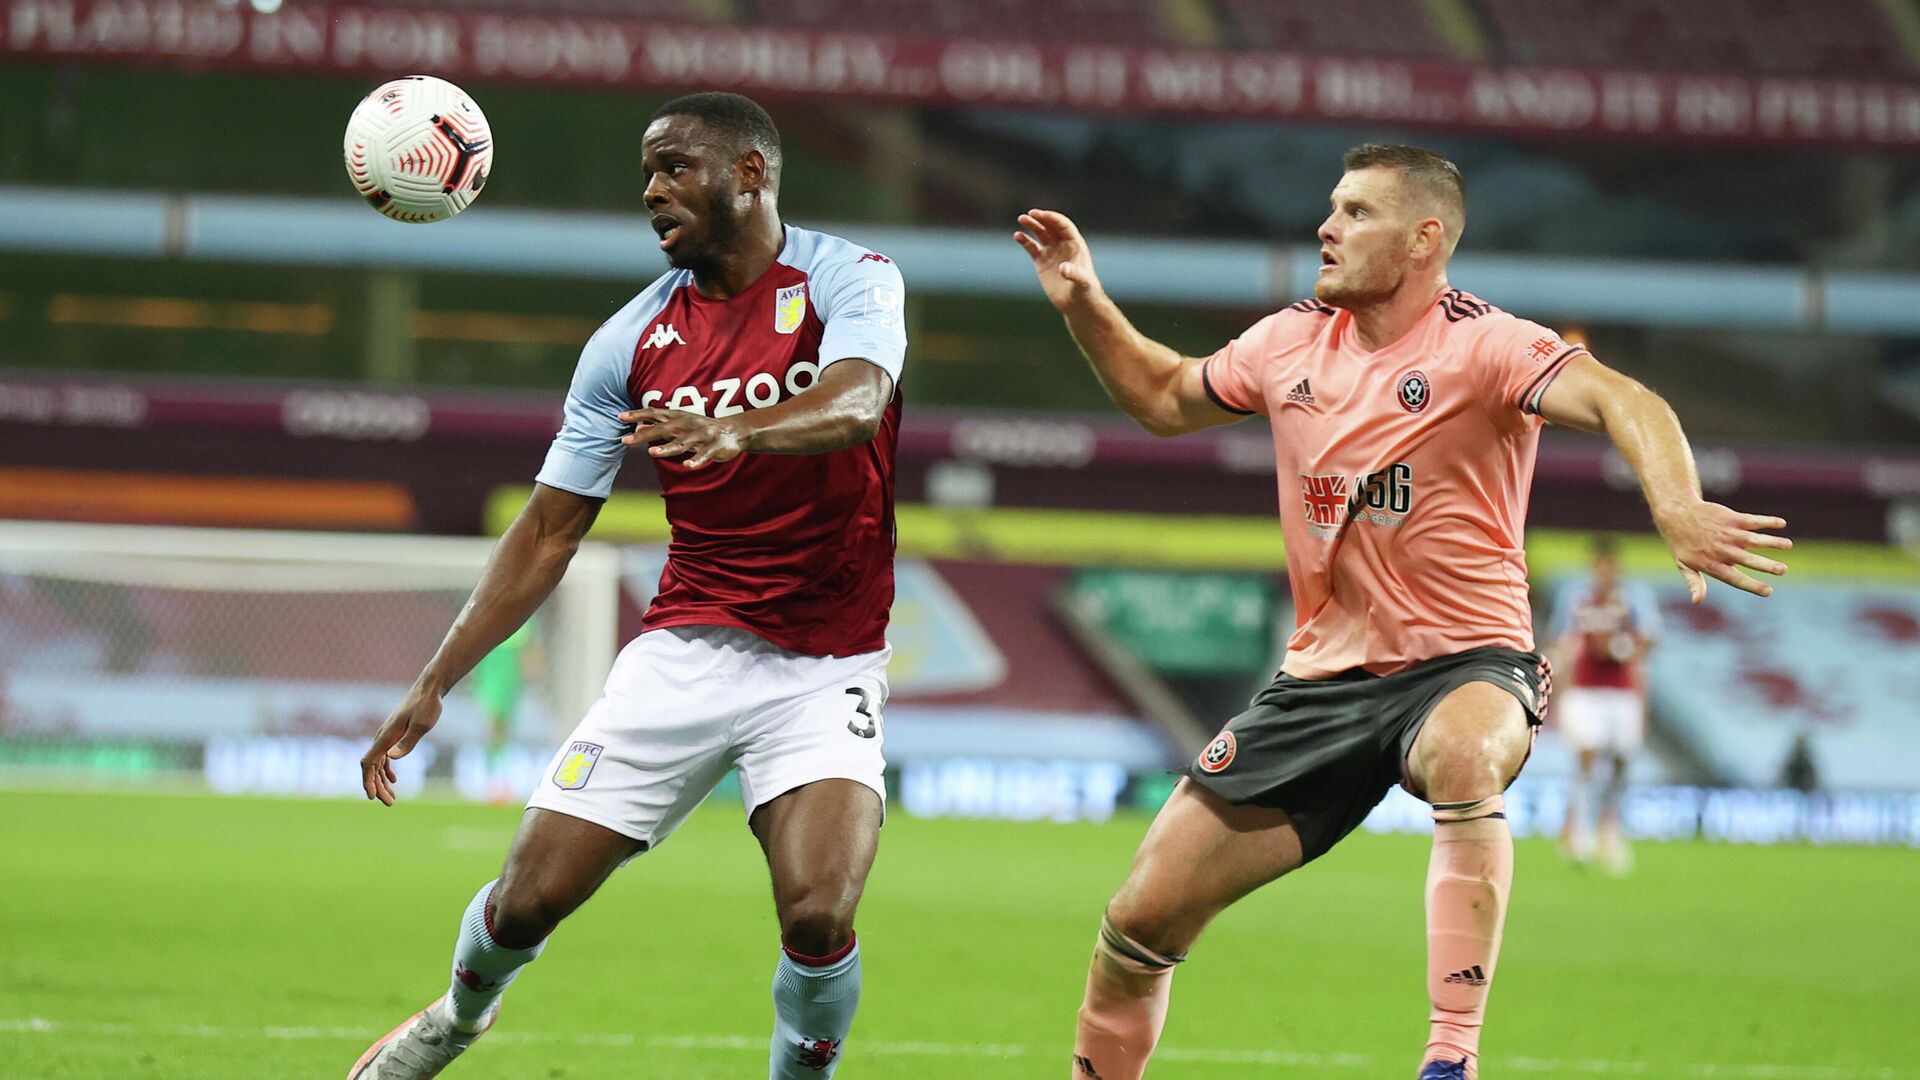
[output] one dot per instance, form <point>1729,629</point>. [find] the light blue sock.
<point>482,967</point>
<point>813,1011</point>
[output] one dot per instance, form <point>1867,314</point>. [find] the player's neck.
<point>1378,325</point>
<point>752,254</point>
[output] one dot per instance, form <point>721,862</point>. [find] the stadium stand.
<point>683,10</point>
<point>1132,22</point>
<point>1356,28</point>
<point>1845,38</point>
<point>1739,680</point>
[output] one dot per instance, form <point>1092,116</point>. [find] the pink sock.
<point>1467,884</point>
<point>1128,986</point>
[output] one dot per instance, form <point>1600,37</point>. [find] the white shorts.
<point>1603,719</point>
<point>685,704</point>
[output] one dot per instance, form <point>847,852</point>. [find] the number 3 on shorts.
<point>872,727</point>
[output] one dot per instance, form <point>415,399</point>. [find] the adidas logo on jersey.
<point>1302,393</point>
<point>663,336</point>
<point>1473,976</point>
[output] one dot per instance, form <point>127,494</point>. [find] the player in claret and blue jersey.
<point>760,374</point>
<point>1603,627</point>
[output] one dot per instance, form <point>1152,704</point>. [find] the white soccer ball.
<point>418,149</point>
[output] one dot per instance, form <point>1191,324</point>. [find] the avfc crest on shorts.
<point>1218,754</point>
<point>572,772</point>
<point>789,308</point>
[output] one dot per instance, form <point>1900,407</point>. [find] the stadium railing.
<point>289,231</point>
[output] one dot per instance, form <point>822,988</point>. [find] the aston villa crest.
<point>572,772</point>
<point>789,308</point>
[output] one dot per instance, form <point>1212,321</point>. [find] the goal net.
<point>264,661</point>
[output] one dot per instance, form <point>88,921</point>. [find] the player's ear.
<point>1429,237</point>
<point>752,170</point>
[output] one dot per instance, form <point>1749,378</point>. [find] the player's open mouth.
<point>1327,261</point>
<point>668,229</point>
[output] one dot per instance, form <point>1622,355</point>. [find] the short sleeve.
<point>1522,358</point>
<point>863,305</point>
<point>1232,376</point>
<point>1646,613</point>
<point>587,452</point>
<point>1565,604</point>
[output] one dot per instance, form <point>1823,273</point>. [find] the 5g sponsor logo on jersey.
<point>1383,497</point>
<point>729,396</point>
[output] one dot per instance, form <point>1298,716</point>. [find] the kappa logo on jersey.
<point>1302,393</point>
<point>1219,753</point>
<point>663,336</point>
<point>789,308</point>
<point>1415,391</point>
<point>1383,497</point>
<point>572,772</point>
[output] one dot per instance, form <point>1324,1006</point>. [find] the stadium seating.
<point>1135,22</point>
<point>1842,38</point>
<point>1354,28</point>
<point>1739,679</point>
<point>683,10</point>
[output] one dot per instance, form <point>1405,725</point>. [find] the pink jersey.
<point>797,549</point>
<point>1404,475</point>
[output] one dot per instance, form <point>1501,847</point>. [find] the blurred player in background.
<point>1602,630</point>
<point>1406,415</point>
<point>496,683</point>
<point>760,373</point>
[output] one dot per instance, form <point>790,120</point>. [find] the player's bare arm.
<point>843,409</point>
<point>1706,538</point>
<point>520,574</point>
<point>1160,389</point>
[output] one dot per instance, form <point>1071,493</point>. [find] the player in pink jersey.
<point>1602,629</point>
<point>1405,418</point>
<point>760,375</point>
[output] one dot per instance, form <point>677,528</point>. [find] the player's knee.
<point>520,917</point>
<point>1153,925</point>
<point>1470,765</point>
<point>816,924</point>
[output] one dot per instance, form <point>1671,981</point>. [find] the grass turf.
<point>149,936</point>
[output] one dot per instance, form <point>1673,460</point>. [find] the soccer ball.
<point>418,149</point>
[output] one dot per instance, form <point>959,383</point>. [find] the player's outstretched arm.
<point>843,409</point>
<point>1706,538</point>
<point>1162,390</point>
<point>525,566</point>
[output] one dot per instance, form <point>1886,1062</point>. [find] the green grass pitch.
<point>193,937</point>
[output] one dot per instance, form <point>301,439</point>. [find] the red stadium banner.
<point>1280,87</point>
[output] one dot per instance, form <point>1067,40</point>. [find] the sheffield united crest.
<point>1415,391</point>
<point>1219,753</point>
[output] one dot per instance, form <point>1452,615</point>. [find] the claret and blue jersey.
<point>797,549</point>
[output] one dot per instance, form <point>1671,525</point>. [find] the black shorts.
<point>1328,750</point>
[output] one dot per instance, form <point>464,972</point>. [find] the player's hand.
<point>670,433</point>
<point>1710,540</point>
<point>1060,257</point>
<point>398,736</point>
